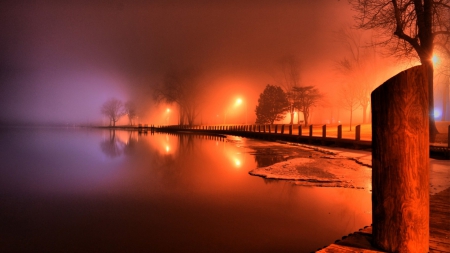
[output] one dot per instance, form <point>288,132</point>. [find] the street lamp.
<point>435,59</point>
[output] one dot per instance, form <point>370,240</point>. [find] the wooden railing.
<point>312,134</point>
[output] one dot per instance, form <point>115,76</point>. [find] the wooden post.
<point>270,130</point>
<point>290,129</point>
<point>400,163</point>
<point>282,129</point>
<point>358,133</point>
<point>276,129</point>
<point>324,131</point>
<point>264,128</point>
<point>339,134</point>
<point>310,130</point>
<point>259,128</point>
<point>448,136</point>
<point>299,130</point>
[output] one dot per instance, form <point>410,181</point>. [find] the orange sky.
<point>62,60</point>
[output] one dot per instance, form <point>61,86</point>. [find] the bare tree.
<point>349,98</point>
<point>359,65</point>
<point>130,111</point>
<point>113,109</point>
<point>306,97</point>
<point>184,88</point>
<point>290,78</point>
<point>409,28</point>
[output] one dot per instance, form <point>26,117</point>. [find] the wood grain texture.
<point>362,240</point>
<point>400,163</point>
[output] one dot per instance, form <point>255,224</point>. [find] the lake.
<point>95,190</point>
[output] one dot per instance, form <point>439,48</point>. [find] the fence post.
<point>290,129</point>
<point>400,164</point>
<point>448,136</point>
<point>264,128</point>
<point>282,129</point>
<point>339,134</point>
<point>270,130</point>
<point>324,131</point>
<point>358,133</point>
<point>276,129</point>
<point>310,130</point>
<point>299,130</point>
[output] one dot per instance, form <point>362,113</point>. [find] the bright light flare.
<point>238,101</point>
<point>167,149</point>
<point>168,110</point>
<point>237,162</point>
<point>437,113</point>
<point>435,59</point>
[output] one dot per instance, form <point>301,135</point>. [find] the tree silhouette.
<point>272,105</point>
<point>113,109</point>
<point>358,66</point>
<point>130,111</point>
<point>290,78</point>
<point>349,98</point>
<point>183,87</point>
<point>306,97</point>
<point>409,28</point>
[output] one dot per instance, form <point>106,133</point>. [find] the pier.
<point>324,135</point>
<point>361,241</point>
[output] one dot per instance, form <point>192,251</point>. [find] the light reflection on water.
<point>96,190</point>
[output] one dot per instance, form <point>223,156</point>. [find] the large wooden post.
<point>400,163</point>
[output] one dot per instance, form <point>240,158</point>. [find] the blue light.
<point>437,113</point>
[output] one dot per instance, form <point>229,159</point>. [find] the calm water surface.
<point>81,190</point>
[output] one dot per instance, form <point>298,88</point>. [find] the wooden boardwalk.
<point>360,241</point>
<point>308,136</point>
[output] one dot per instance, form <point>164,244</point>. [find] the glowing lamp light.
<point>435,59</point>
<point>237,162</point>
<point>239,101</point>
<point>168,110</point>
<point>437,113</point>
<point>167,149</point>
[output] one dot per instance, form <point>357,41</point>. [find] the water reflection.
<point>270,154</point>
<point>158,193</point>
<point>118,143</point>
<point>111,146</point>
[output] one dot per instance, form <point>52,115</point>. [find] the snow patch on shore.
<point>327,171</point>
